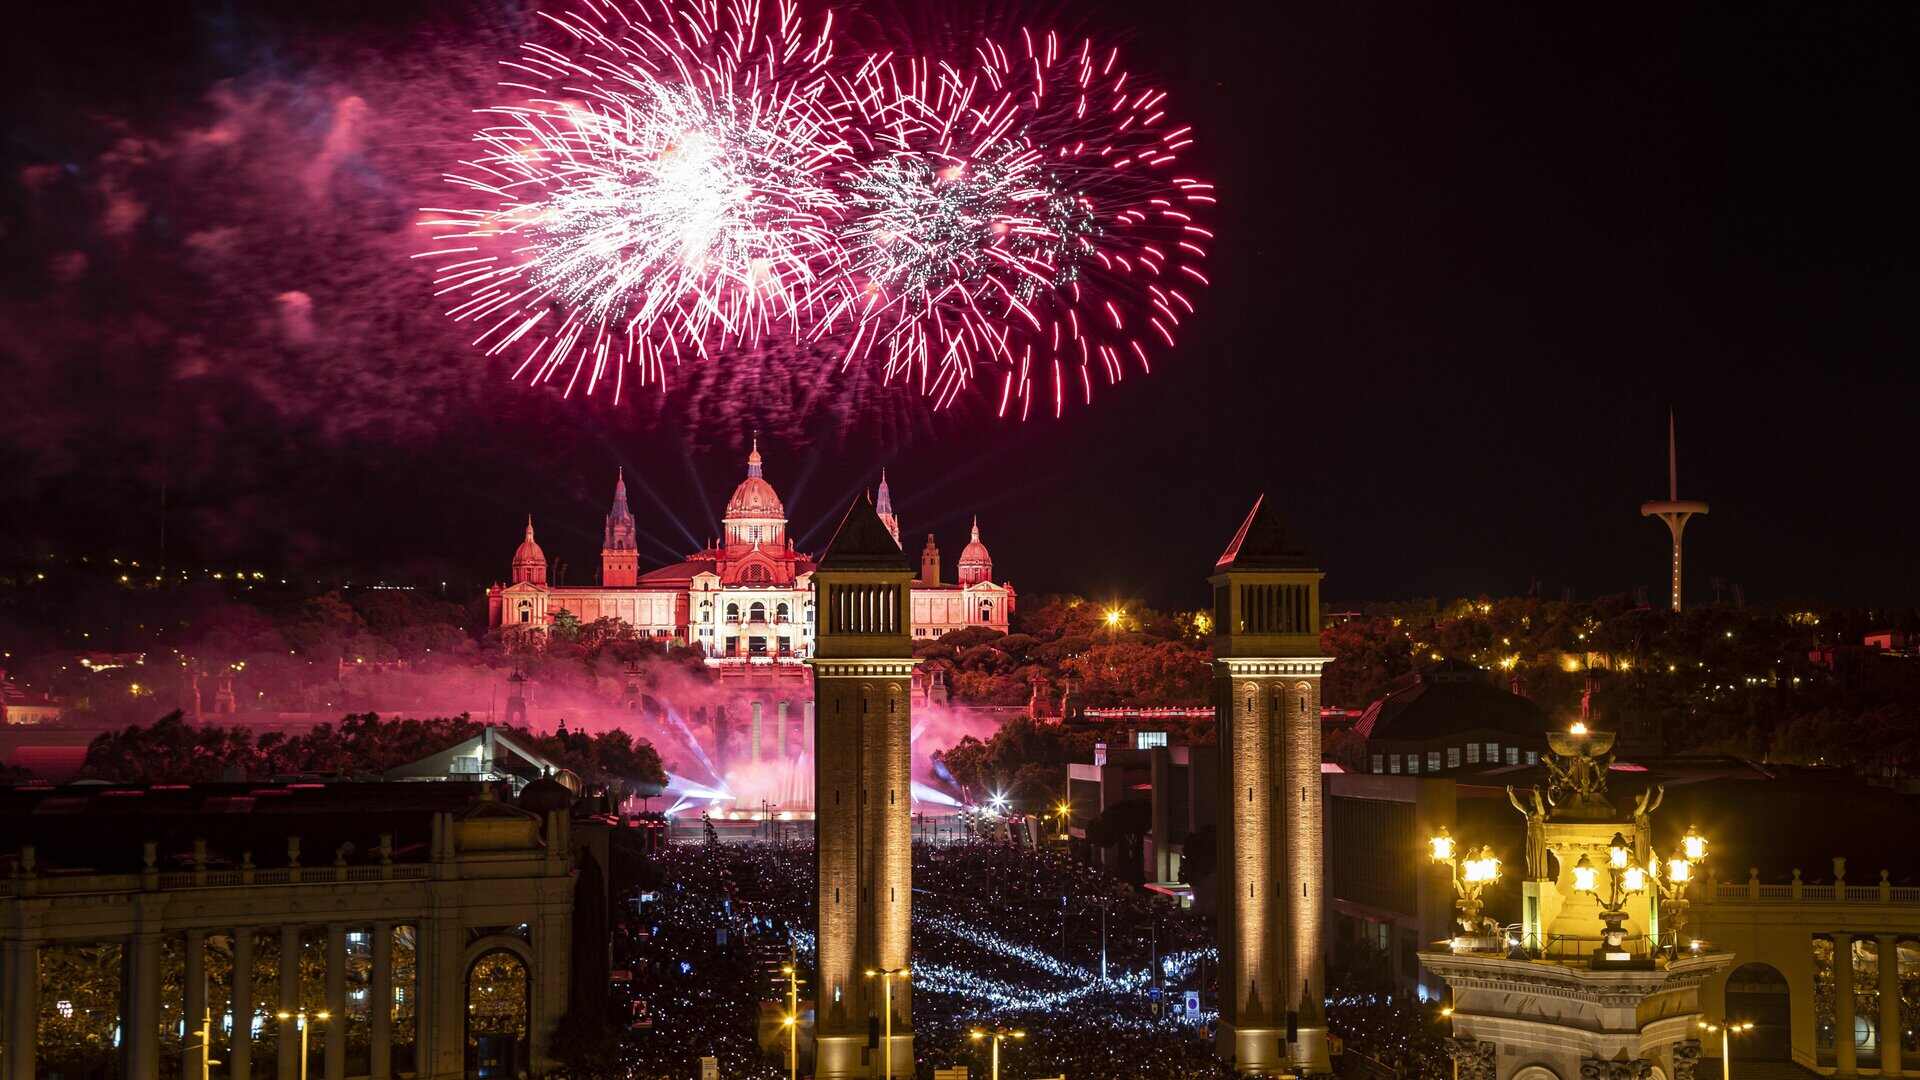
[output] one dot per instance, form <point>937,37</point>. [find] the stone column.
<point>288,1058</point>
<point>336,1029</point>
<point>194,1011</point>
<point>380,1004</point>
<point>140,1032</point>
<point>1844,1061</point>
<point>23,1008</point>
<point>1890,1027</point>
<point>240,1046</point>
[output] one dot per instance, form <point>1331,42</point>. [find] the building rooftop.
<point>1451,698</point>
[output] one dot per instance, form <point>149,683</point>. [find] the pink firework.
<point>664,190</point>
<point>1022,220</point>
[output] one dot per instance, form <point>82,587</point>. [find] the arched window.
<point>783,612</point>
<point>526,611</point>
<point>733,612</point>
<point>497,992</point>
<point>755,575</point>
<point>986,612</point>
<point>757,613</point>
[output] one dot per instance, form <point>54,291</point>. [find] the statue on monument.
<point>1536,815</point>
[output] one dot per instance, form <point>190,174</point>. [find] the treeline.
<point>172,751</point>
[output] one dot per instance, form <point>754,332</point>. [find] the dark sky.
<point>1469,257</point>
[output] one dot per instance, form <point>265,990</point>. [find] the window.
<point>733,612</point>
<point>1433,761</point>
<point>1473,753</point>
<point>783,612</point>
<point>1393,764</point>
<point>1453,757</point>
<point>1413,763</point>
<point>1376,764</point>
<point>1493,753</point>
<point>757,613</point>
<point>1513,755</point>
<point>1533,757</point>
<point>526,611</point>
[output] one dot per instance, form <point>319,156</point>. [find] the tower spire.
<point>1674,511</point>
<point>753,456</point>
<point>883,505</point>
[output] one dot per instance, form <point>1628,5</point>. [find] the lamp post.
<point>1472,872</point>
<point>1679,874</point>
<point>1727,1029</point>
<point>302,1018</point>
<point>204,1048</point>
<point>887,975</point>
<point>792,1020</point>
<point>998,1035</point>
<point>1625,880</point>
<point>1066,813</point>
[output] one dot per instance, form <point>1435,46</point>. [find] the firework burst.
<point>1025,214</point>
<point>664,190</point>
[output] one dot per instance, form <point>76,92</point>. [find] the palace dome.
<point>755,498</point>
<point>529,552</point>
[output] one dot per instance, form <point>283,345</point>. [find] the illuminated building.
<point>1447,718</point>
<point>863,801</point>
<point>452,906</point>
<point>1266,692</point>
<point>745,600</point>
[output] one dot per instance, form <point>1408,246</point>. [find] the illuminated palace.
<point>746,598</point>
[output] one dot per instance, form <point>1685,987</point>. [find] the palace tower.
<point>1266,699</point>
<point>862,667</point>
<point>619,556</point>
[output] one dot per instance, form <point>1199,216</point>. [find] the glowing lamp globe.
<point>1634,880</point>
<point>1583,875</point>
<point>1442,846</point>
<point>1484,868</point>
<point>1694,845</point>
<point>1679,870</point>
<point>1617,852</point>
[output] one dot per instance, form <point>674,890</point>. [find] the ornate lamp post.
<point>1624,881</point>
<point>1472,873</point>
<point>1678,875</point>
<point>886,976</point>
<point>1727,1029</point>
<point>998,1035</point>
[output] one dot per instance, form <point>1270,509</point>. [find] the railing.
<point>1883,893</point>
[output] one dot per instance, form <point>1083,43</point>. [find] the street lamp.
<point>1066,812</point>
<point>887,975</point>
<point>1472,873</point>
<point>203,1049</point>
<point>792,1020</point>
<point>1727,1029</point>
<point>998,1035</point>
<point>302,1018</point>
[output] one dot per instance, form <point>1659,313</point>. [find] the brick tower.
<point>1266,700</point>
<point>862,672</point>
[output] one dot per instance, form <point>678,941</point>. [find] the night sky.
<point>1468,260</point>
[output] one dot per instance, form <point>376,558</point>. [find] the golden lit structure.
<point>791,1021</point>
<point>998,1035</point>
<point>862,665</point>
<point>886,978</point>
<point>1266,698</point>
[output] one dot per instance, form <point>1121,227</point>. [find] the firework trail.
<point>1025,212</point>
<point>664,190</point>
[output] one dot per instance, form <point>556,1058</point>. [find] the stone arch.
<point>1760,993</point>
<point>1536,1072</point>
<point>497,989</point>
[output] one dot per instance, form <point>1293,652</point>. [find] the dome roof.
<point>755,497</point>
<point>975,552</point>
<point>528,551</point>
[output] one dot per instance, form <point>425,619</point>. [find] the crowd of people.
<point>1004,936</point>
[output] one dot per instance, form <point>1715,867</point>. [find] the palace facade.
<point>746,598</point>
